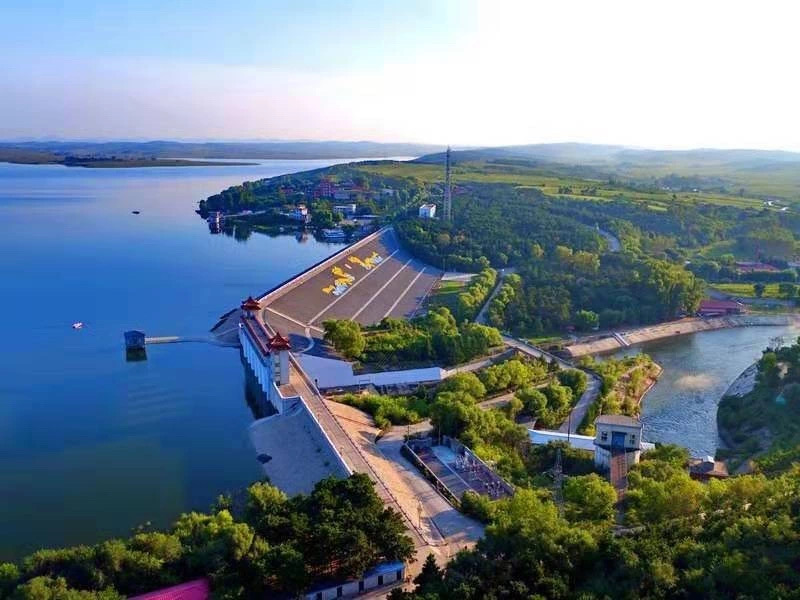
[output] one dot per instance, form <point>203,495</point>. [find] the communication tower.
<point>448,194</point>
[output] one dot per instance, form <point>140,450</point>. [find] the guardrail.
<point>440,485</point>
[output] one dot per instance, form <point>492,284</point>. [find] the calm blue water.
<point>91,445</point>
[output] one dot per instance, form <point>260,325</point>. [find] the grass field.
<point>446,294</point>
<point>745,290</point>
<point>549,183</point>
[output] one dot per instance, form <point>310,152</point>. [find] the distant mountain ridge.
<point>610,156</point>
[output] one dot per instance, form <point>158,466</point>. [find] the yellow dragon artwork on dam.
<point>343,280</point>
<point>373,260</point>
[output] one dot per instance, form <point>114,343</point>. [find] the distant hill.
<point>217,150</point>
<point>620,156</point>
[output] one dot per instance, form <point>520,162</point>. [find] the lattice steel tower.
<point>448,194</point>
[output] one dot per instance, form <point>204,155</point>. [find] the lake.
<point>698,369</point>
<point>91,445</point>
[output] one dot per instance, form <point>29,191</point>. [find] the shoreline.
<point>613,341</point>
<point>742,385</point>
<point>132,163</point>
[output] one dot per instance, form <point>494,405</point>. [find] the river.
<point>698,368</point>
<point>92,445</point>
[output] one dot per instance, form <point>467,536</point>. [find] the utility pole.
<point>448,196</point>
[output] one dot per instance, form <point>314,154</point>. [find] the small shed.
<point>134,340</point>
<point>707,468</point>
<point>617,434</point>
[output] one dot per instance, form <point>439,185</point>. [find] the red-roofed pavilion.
<point>278,342</point>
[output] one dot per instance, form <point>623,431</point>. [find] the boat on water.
<point>333,235</point>
<point>77,325</point>
<point>136,212</point>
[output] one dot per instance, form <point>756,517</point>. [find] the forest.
<point>734,538</point>
<point>564,277</point>
<point>434,338</point>
<point>261,547</point>
<point>767,418</point>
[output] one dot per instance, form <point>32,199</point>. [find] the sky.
<point>667,74</point>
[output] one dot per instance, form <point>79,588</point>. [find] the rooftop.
<point>192,590</point>
<point>618,420</point>
<point>708,467</point>
<point>719,304</point>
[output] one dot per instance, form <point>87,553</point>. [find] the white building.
<point>427,211</point>
<point>615,435</point>
<point>346,210</point>
<point>386,576</point>
<point>300,213</point>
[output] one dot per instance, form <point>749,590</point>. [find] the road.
<point>588,397</point>
<point>481,318</point>
<point>613,242</point>
<point>445,530</point>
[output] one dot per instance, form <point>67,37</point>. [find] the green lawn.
<point>446,294</point>
<point>549,183</point>
<point>745,290</point>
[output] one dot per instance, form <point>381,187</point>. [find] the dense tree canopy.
<point>278,545</point>
<point>735,538</point>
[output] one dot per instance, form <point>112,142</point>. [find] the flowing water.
<point>698,369</point>
<point>92,445</point>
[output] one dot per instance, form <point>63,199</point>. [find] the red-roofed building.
<point>325,188</point>
<point>191,590</point>
<point>250,307</point>
<point>719,308</point>
<point>278,342</point>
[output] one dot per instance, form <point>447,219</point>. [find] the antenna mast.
<point>448,196</point>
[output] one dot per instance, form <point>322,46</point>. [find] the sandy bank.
<point>620,339</point>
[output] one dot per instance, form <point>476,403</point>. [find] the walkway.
<point>588,397</point>
<point>613,242</point>
<point>430,512</point>
<point>481,318</point>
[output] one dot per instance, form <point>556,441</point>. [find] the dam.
<point>300,440</point>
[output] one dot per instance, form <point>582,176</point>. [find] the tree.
<point>653,501</point>
<point>534,401</point>
<point>589,498</point>
<point>787,290</point>
<point>346,336</point>
<point>431,575</point>
<point>758,289</point>
<point>586,320</point>
<point>463,382</point>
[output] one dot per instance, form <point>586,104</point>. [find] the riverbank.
<point>613,341</point>
<point>739,453</point>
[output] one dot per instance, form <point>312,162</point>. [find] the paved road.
<point>613,242</point>
<point>481,318</point>
<point>446,530</point>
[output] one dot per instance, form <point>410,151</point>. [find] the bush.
<point>477,506</point>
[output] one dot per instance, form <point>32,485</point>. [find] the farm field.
<point>745,290</point>
<point>555,184</point>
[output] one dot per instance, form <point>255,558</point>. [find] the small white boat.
<point>77,325</point>
<point>333,234</point>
